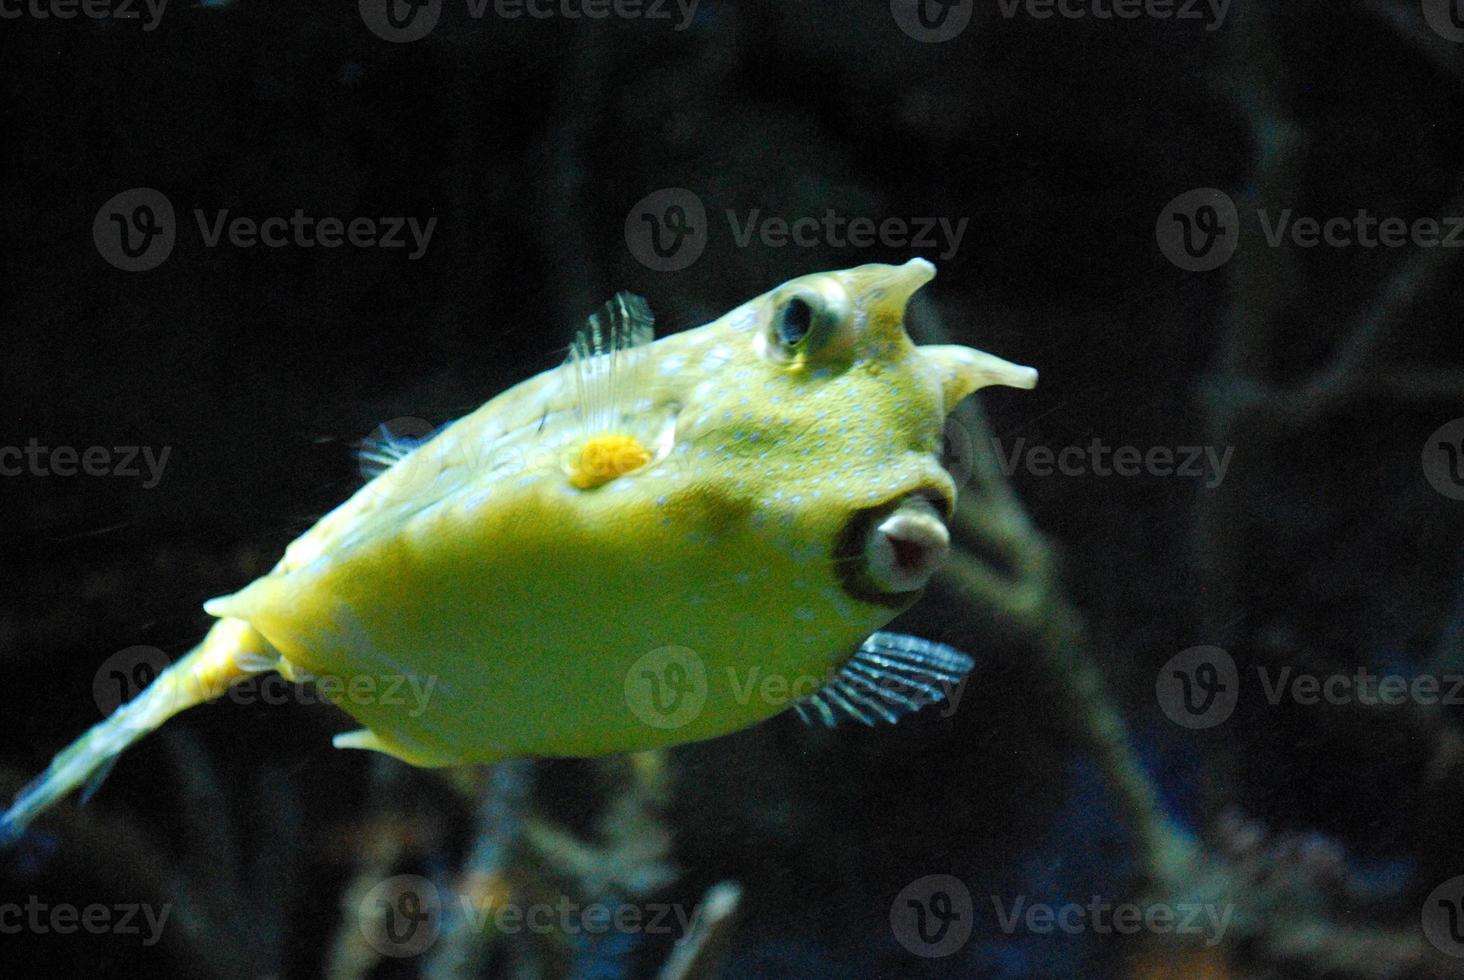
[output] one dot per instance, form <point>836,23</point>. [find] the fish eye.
<point>795,319</point>
<point>811,323</point>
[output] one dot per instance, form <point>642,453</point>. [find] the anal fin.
<point>366,739</point>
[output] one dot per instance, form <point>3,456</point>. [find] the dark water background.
<point>1061,143</point>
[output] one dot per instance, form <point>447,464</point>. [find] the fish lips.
<point>887,554</point>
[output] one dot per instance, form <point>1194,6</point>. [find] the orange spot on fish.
<point>603,458</point>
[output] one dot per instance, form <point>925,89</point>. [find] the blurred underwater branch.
<point>1287,915</point>
<point>1298,908</point>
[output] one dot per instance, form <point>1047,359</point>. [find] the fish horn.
<point>963,370</point>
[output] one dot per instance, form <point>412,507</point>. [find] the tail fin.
<point>231,651</point>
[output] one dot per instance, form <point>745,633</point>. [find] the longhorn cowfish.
<point>600,559</point>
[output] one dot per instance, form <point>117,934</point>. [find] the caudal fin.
<point>231,651</point>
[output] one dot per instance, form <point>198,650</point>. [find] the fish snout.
<point>904,550</point>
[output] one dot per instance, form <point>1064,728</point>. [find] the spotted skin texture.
<point>479,565</point>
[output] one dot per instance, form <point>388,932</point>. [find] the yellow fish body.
<point>608,556</point>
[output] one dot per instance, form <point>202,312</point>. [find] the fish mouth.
<point>886,554</point>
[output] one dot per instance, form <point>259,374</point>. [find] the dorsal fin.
<point>608,358</point>
<point>384,447</point>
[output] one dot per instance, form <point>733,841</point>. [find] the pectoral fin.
<point>890,676</point>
